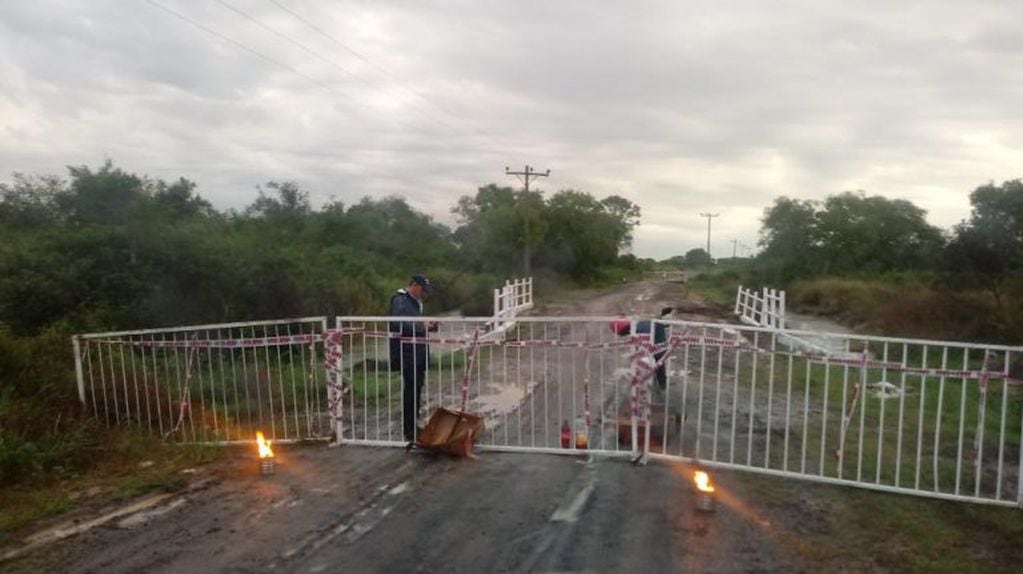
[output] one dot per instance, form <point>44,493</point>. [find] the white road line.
<point>569,511</point>
<point>572,511</point>
<point>69,529</point>
<point>141,518</point>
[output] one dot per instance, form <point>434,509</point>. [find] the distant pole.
<point>735,246</point>
<point>709,216</point>
<point>524,176</point>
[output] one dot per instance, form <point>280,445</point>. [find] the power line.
<point>270,59</point>
<point>351,51</point>
<point>314,53</point>
<point>252,19</point>
<point>238,44</point>
<point>376,66</point>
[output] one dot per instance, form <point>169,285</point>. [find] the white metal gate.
<point>210,383</point>
<point>930,418</point>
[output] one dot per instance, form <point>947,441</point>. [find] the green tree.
<point>586,235</point>
<point>179,199</point>
<point>873,234</point>
<point>847,233</point>
<point>31,202</point>
<point>788,238</point>
<point>986,250</point>
<point>499,227</point>
<point>696,257</point>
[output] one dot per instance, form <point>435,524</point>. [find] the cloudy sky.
<point>682,107</point>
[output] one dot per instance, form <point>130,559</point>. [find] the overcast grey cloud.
<point>682,107</point>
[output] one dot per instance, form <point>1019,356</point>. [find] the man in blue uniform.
<point>409,352</point>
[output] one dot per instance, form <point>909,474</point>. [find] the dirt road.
<point>362,509</point>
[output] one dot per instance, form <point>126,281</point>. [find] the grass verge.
<point>128,464</point>
<point>851,530</point>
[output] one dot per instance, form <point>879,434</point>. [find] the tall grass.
<point>903,307</point>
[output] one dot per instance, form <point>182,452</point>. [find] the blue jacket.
<point>407,353</point>
<point>660,333</point>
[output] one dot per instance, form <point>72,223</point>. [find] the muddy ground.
<point>361,509</point>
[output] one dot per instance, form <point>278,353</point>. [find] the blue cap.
<point>423,282</point>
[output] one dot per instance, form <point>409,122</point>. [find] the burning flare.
<point>264,446</point>
<point>702,480</point>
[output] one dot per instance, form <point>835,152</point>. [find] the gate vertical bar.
<point>880,421</point>
<point>735,405</point>
<point>788,414</point>
<point>937,422</point>
<point>902,412</point>
<point>685,404</point>
<point>1001,431</point>
<point>962,419</point>
<point>752,397</point>
<point>1019,473</point>
<point>770,400</point>
<point>920,421</point>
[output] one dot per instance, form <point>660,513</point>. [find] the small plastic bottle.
<point>566,434</point>
<point>582,441</point>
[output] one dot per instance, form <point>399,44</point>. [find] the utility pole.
<point>527,248</point>
<point>709,216</point>
<point>735,245</point>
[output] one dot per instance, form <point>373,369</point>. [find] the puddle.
<point>499,400</point>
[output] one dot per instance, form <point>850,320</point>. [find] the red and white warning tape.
<point>335,390</point>
<point>472,352</point>
<point>184,398</point>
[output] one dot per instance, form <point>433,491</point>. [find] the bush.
<point>901,307</point>
<point>43,432</point>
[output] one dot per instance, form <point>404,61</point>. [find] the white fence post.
<point>764,308</point>
<point>773,316</point>
<point>781,310</point>
<point>78,368</point>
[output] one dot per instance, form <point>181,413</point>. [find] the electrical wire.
<point>376,66</point>
<point>272,60</point>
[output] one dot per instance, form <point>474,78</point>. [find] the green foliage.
<point>572,233</point>
<point>107,249</point>
<point>697,257</point>
<point>908,305</point>
<point>845,234</point>
<point>717,284</point>
<point>877,264</point>
<point>42,431</point>
<point>987,251</point>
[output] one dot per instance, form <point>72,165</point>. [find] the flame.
<point>702,480</point>
<point>264,446</point>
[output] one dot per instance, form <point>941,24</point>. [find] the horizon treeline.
<point>973,271</point>
<point>105,249</point>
